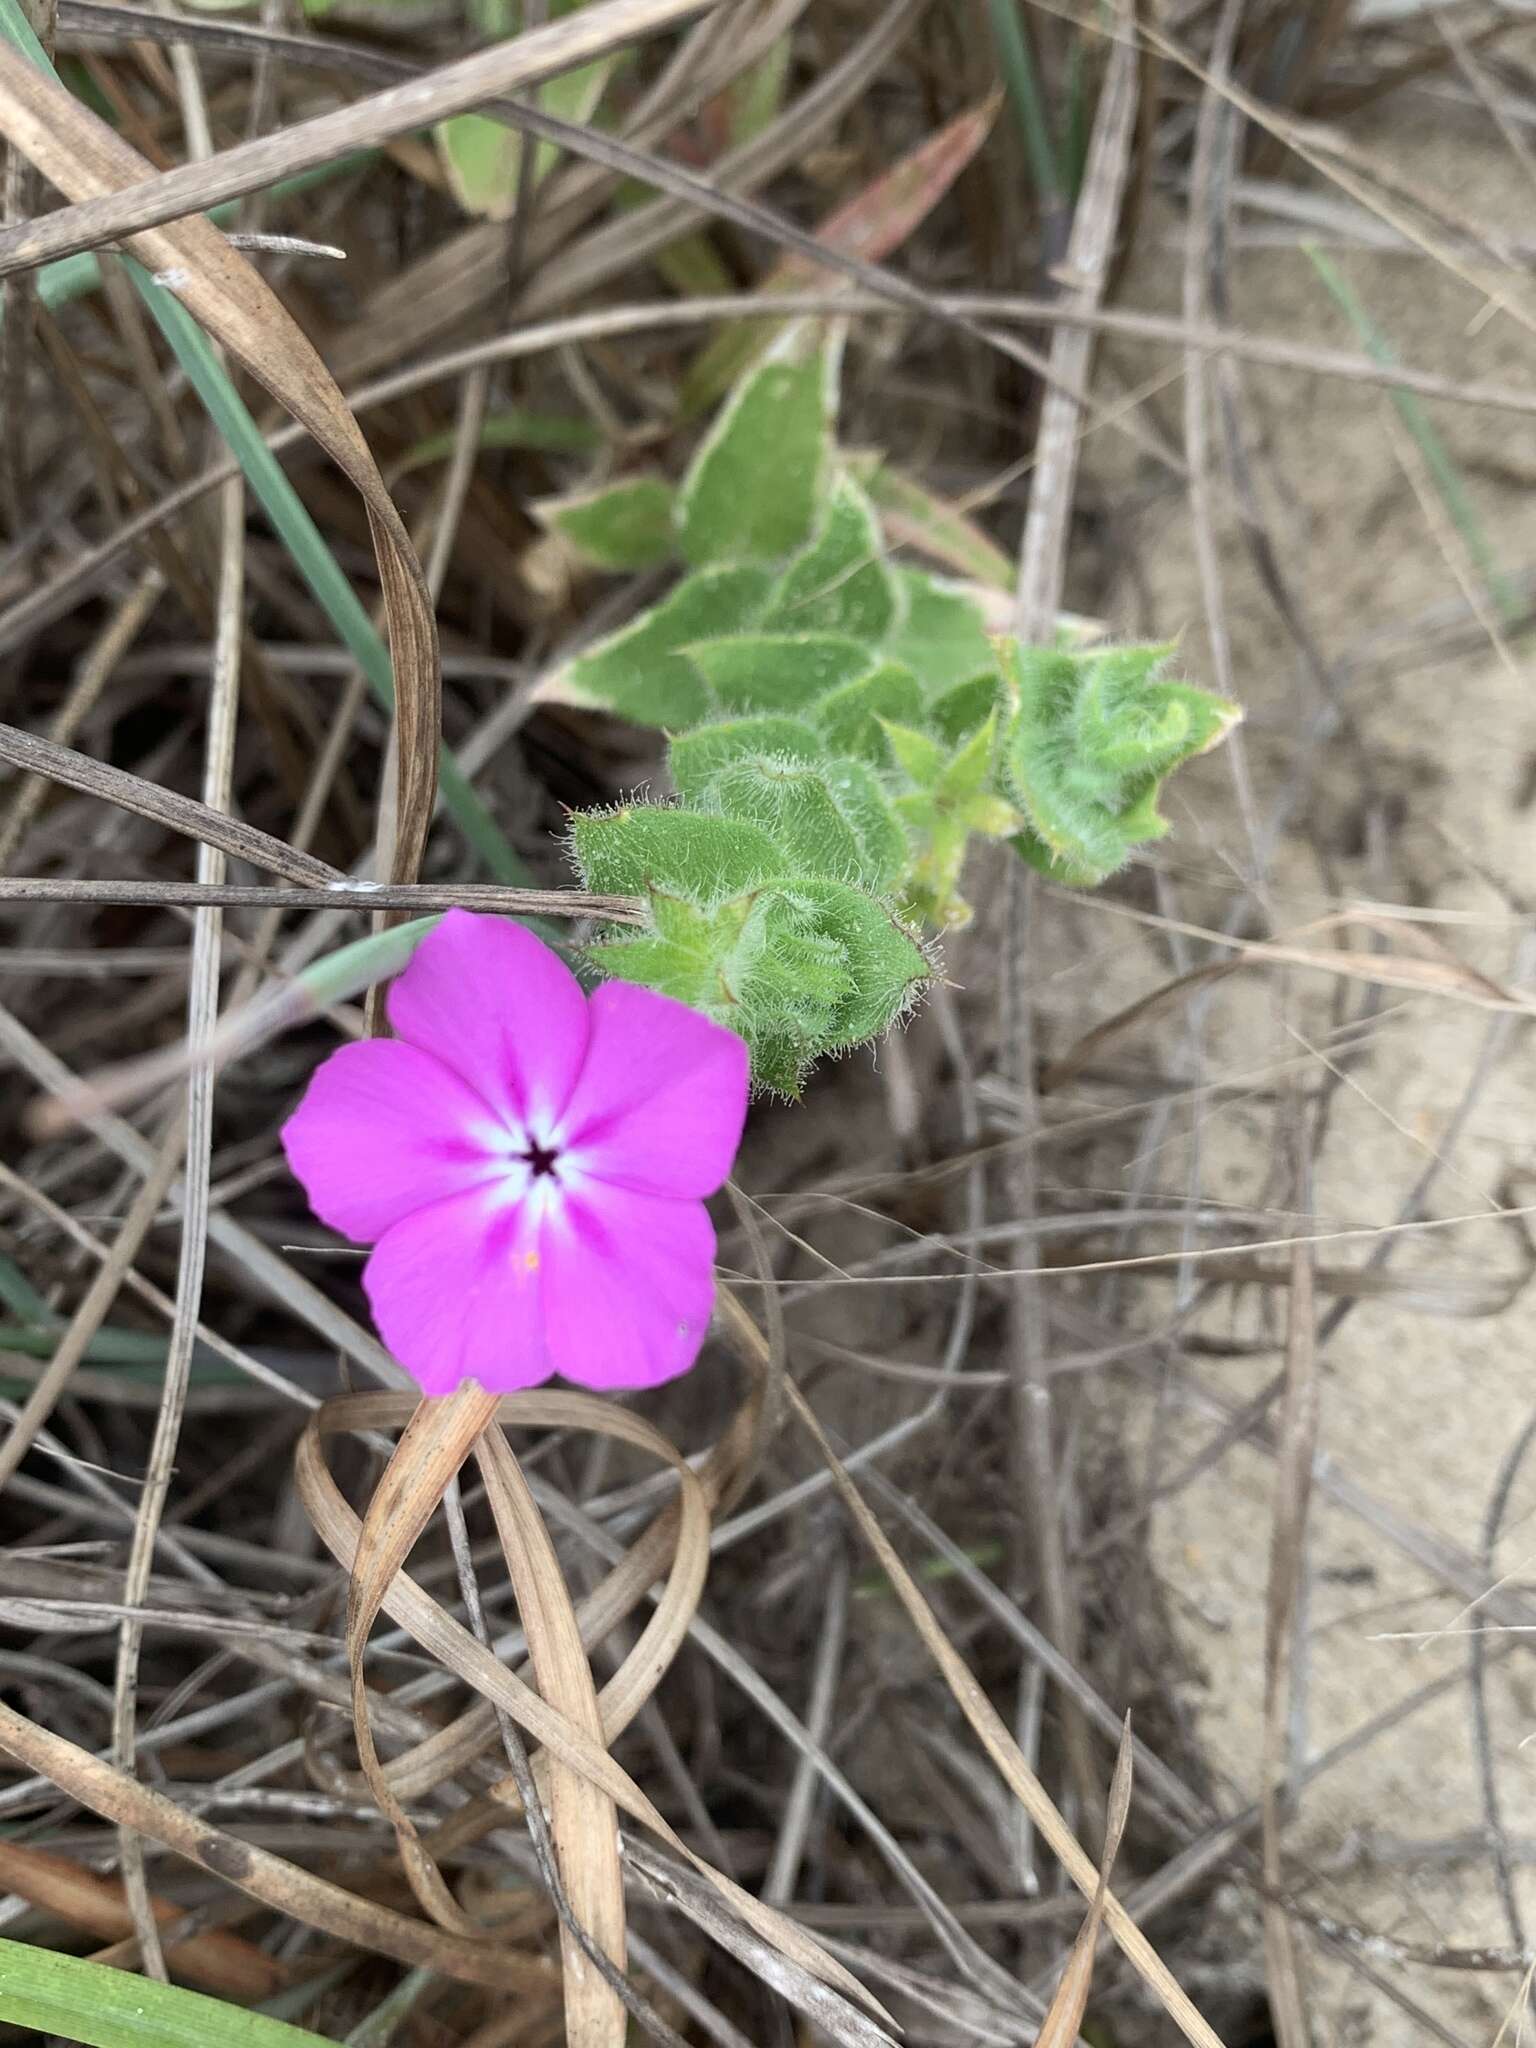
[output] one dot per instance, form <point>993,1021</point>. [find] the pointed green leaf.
<point>970,770</point>
<point>778,671</point>
<point>920,759</point>
<point>481,158</point>
<point>572,96</point>
<point>620,526</point>
<point>756,486</point>
<point>940,814</point>
<point>684,957</point>
<point>840,582</point>
<point>638,671</point>
<point>961,710</point>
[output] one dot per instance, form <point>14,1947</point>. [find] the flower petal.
<point>662,1096</point>
<point>629,1285</point>
<point>383,1129</point>
<point>496,1005</point>
<point>455,1291</point>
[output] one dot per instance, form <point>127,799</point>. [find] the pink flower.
<point>528,1164</point>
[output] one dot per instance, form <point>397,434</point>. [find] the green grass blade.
<point>1437,459</point>
<point>87,2002</point>
<point>382,2025</point>
<point>311,556</point>
<point>516,427</point>
<point>1023,89</point>
<point>283,506</point>
<point>19,29</point>
<point>19,1295</point>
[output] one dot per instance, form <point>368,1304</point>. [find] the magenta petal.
<point>455,1291</point>
<point>662,1096</point>
<point>496,1005</point>
<point>382,1129</point>
<point>629,1285</point>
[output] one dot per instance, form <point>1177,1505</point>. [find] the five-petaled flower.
<point>529,1165</point>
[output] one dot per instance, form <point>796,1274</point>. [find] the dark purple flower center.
<point>541,1158</point>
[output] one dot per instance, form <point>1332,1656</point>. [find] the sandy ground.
<point>1418,1407</point>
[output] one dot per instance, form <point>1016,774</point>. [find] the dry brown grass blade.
<point>216,1960</point>
<point>1437,971</point>
<point>1059,2028</point>
<point>98,665</point>
<point>28,614</point>
<point>183,814</point>
<point>286,1887</point>
<point>674,1545</point>
<point>583,1822</point>
<point>418,897</point>
<point>434,1444</point>
<point>281,1005</point>
<point>990,1729</point>
<point>95,1304</point>
<point>135,204</point>
<point>86,159</point>
<point>461,1652</point>
<point>1299,1415</point>
<point>679,1889</point>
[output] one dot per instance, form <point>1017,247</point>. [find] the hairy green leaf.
<point>1093,737</point>
<point>886,966</point>
<point>699,758</point>
<point>841,732</point>
<point>797,968</point>
<point>792,802</point>
<point>858,793</point>
<point>689,854</point>
<point>778,671</point>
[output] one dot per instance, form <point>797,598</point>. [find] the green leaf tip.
<point>619,527</point>
<point>1094,735</point>
<point>756,488</point>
